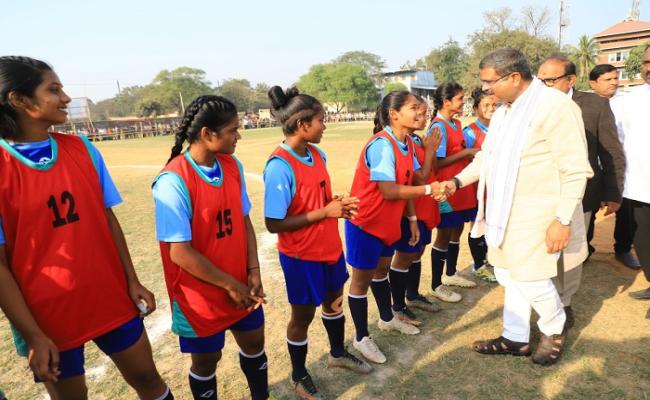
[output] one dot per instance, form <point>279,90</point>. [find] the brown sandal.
<point>549,350</point>
<point>501,345</point>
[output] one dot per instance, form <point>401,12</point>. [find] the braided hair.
<point>446,91</point>
<point>289,107</point>
<point>20,75</point>
<point>213,112</point>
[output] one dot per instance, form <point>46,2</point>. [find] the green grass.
<point>607,353</point>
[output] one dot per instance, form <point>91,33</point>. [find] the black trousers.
<point>624,227</point>
<point>642,235</point>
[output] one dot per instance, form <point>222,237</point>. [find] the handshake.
<point>441,191</point>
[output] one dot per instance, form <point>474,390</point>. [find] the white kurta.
<point>633,124</point>
<point>553,173</point>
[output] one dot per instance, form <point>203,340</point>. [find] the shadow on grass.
<point>440,364</point>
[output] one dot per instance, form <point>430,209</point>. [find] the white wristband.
<point>427,190</point>
<point>412,218</point>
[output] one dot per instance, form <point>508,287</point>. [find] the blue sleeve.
<point>109,191</point>
<point>279,187</point>
<point>2,232</point>
<point>442,149</point>
<point>416,163</point>
<point>380,159</point>
<point>173,209</point>
<point>470,137</point>
<point>245,201</point>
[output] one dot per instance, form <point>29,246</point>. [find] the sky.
<point>94,44</point>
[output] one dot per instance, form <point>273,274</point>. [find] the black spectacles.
<point>552,81</point>
<point>494,81</point>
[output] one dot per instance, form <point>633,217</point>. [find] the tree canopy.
<point>341,84</point>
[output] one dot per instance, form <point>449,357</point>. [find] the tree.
<point>341,84</point>
<point>498,20</point>
<point>449,62</point>
<point>371,63</point>
<point>585,55</point>
<point>149,109</point>
<point>168,86</point>
<point>260,97</point>
<point>535,21</point>
<point>394,87</point>
<point>238,91</point>
<point>452,62</point>
<point>634,61</point>
<point>535,49</point>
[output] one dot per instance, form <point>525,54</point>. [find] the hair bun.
<point>277,97</point>
<point>280,98</point>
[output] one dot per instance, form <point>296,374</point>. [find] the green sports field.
<point>606,355</point>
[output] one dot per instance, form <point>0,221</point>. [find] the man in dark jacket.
<point>605,153</point>
<point>603,80</point>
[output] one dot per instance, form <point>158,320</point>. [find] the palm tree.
<point>585,55</point>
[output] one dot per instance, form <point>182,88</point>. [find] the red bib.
<point>478,134</point>
<point>426,208</point>
<point>465,198</point>
<point>321,241</point>
<point>59,245</point>
<point>219,234</point>
<point>378,216</point>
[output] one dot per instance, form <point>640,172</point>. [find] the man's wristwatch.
<point>564,222</point>
<point>456,182</point>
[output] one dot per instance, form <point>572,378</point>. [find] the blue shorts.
<point>309,282</point>
<point>363,250</point>
<point>403,246</point>
<point>71,362</point>
<point>214,343</point>
<point>457,219</point>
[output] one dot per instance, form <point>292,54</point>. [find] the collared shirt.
<point>570,93</point>
<point>631,112</point>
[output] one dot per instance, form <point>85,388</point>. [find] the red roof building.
<point>616,42</point>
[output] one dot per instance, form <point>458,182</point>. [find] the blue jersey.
<point>41,153</point>
<point>470,135</point>
<point>280,183</point>
<point>173,211</point>
<point>380,158</point>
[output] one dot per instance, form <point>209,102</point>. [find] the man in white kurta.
<point>532,174</point>
<point>631,111</point>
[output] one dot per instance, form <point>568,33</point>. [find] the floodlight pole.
<point>180,95</point>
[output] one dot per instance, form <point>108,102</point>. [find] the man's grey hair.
<point>506,61</point>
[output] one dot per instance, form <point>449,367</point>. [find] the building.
<point>422,83</point>
<point>616,42</point>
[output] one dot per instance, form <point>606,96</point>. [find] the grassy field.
<point>607,352</point>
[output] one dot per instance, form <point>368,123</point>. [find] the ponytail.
<point>392,101</point>
<point>446,91</point>
<point>212,112</point>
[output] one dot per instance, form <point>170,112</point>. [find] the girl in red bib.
<point>208,248</point>
<point>66,276</point>
<point>406,262</point>
<point>484,106</point>
<point>383,184</point>
<point>300,208</point>
<point>453,156</point>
